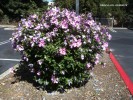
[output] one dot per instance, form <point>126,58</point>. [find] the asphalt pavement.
<point>122,47</point>
<point>8,57</point>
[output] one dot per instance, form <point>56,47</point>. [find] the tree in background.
<point>129,16</point>
<point>116,11</point>
<point>94,6</point>
<point>15,9</point>
<point>69,4</point>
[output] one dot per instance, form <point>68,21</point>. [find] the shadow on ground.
<point>22,73</point>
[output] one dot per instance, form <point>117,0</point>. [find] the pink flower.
<point>97,38</point>
<point>97,56</point>
<point>89,40</point>
<point>32,70</point>
<point>25,58</point>
<point>28,24</point>
<point>46,25</point>
<point>41,43</point>
<point>105,45</point>
<point>54,79</point>
<point>65,42</point>
<point>76,43</point>
<point>32,43</point>
<point>20,48</point>
<point>11,70</point>
<point>109,36</point>
<point>54,21</point>
<point>62,51</point>
<point>64,24</point>
<point>39,26</point>
<point>90,22</point>
<point>40,62</point>
<point>38,73</point>
<point>88,65</point>
<point>34,39</point>
<point>63,72</point>
<point>30,65</point>
<point>34,16</point>
<point>79,43</point>
<point>82,57</point>
<point>96,61</point>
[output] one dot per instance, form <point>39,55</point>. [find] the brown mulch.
<point>105,84</point>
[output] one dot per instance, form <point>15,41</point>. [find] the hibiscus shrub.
<point>59,47</point>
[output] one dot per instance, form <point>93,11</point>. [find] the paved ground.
<point>122,47</point>
<point>8,57</point>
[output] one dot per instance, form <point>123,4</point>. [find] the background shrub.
<point>59,47</point>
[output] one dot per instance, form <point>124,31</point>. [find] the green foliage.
<point>5,19</point>
<point>1,14</point>
<point>129,16</point>
<point>16,9</point>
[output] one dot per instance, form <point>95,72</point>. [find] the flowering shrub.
<point>59,47</point>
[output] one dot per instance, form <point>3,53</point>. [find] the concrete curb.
<point>13,28</point>
<point>112,29</point>
<point>7,72</point>
<point>120,28</point>
<point>9,26</point>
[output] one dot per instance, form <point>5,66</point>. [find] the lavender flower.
<point>19,48</point>
<point>54,79</point>
<point>64,24</point>
<point>62,51</point>
<point>38,73</point>
<point>32,70</point>
<point>30,65</point>
<point>82,56</point>
<point>41,43</point>
<point>88,65</point>
<point>40,61</point>
<point>104,46</point>
<point>11,70</point>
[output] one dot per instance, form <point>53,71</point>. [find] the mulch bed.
<point>105,84</point>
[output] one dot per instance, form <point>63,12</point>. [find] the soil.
<point>105,84</point>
